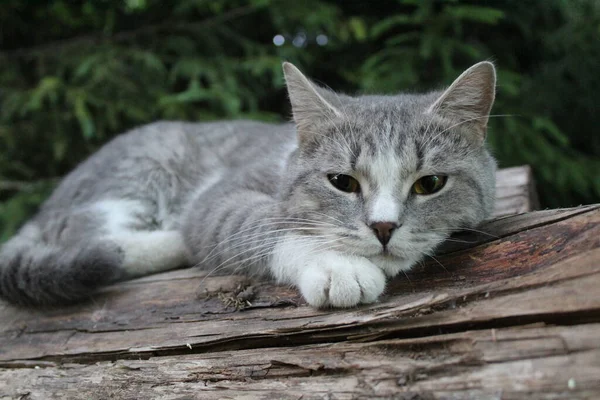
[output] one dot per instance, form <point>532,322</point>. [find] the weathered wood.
<point>515,191</point>
<point>512,310</point>
<point>538,361</point>
<point>507,311</point>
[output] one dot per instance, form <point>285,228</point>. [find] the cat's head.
<point>390,177</point>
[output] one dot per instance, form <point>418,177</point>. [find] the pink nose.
<point>384,231</point>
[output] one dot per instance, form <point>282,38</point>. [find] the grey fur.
<point>234,190</point>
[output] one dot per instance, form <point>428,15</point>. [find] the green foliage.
<point>73,74</point>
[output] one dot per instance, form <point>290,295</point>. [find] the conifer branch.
<point>25,186</point>
<point>124,36</point>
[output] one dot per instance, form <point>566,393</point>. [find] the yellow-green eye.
<point>429,184</point>
<point>345,183</point>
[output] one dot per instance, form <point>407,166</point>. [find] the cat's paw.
<point>341,281</point>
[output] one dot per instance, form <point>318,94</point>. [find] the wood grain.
<point>533,361</point>
<point>515,191</point>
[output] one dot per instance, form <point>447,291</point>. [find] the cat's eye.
<point>345,183</point>
<point>429,184</point>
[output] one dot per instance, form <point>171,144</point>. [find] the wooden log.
<point>512,310</point>
<point>540,362</point>
<point>515,191</point>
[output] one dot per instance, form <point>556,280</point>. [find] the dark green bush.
<point>75,73</point>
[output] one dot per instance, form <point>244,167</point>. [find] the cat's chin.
<point>390,264</point>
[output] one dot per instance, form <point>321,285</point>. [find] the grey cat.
<point>359,188</point>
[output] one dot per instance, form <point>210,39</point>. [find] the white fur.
<point>120,215</point>
<point>151,252</point>
<point>385,172</point>
<point>391,266</point>
<point>326,277</point>
<point>385,209</point>
<point>146,252</point>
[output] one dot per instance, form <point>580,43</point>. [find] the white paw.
<point>338,280</point>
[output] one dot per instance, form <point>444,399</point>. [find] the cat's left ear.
<point>309,103</point>
<point>468,101</point>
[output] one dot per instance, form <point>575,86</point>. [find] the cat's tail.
<point>33,272</point>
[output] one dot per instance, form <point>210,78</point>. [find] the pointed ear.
<point>309,105</point>
<point>469,99</point>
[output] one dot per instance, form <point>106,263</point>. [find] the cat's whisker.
<point>268,243</point>
<point>438,261</point>
<point>226,263</point>
<point>460,241</point>
<point>286,222</point>
<point>282,223</point>
<point>327,216</point>
<point>314,246</point>
<point>256,237</point>
<point>407,278</point>
<point>321,243</point>
<point>464,229</point>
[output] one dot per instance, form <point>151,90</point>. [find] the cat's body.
<point>265,198</point>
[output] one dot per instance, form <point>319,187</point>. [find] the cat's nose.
<point>384,231</point>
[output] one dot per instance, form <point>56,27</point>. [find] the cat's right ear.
<point>468,101</point>
<point>309,106</point>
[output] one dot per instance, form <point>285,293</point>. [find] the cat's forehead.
<point>383,119</point>
<point>388,166</point>
<point>373,134</point>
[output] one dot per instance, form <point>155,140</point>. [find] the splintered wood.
<point>510,311</point>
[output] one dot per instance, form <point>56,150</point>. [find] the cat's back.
<point>167,153</point>
<point>183,141</point>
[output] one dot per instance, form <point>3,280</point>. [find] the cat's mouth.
<point>386,253</point>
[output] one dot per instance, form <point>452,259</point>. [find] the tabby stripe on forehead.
<point>372,147</point>
<point>353,160</point>
<point>420,156</point>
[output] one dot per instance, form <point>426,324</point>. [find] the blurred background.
<point>74,73</point>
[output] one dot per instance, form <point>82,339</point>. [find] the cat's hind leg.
<point>146,249</point>
<point>64,255</point>
<point>149,252</point>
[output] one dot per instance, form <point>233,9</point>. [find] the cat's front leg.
<point>326,277</point>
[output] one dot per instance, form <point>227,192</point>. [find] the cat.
<point>353,191</point>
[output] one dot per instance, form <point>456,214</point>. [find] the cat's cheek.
<point>392,267</point>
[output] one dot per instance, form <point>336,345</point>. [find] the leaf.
<point>485,15</point>
<point>546,125</point>
<point>358,28</point>
<point>403,38</point>
<point>46,89</point>
<point>83,115</point>
<point>389,23</point>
